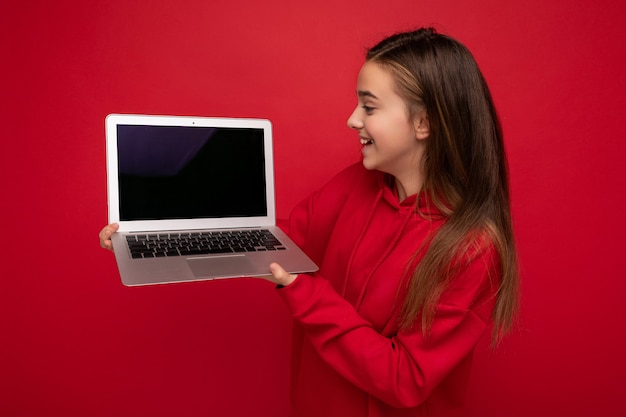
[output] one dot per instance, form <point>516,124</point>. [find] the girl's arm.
<point>404,369</point>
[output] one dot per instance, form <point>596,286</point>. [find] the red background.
<point>75,342</point>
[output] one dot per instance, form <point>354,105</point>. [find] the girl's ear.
<point>421,125</point>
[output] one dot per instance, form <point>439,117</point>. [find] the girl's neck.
<point>408,187</point>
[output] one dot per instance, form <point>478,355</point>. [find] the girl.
<point>415,244</point>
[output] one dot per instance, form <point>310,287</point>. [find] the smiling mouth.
<point>366,142</point>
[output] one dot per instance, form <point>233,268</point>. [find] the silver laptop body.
<point>194,198</point>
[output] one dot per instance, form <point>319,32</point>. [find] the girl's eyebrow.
<point>366,93</point>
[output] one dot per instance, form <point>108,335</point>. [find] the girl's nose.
<point>354,121</point>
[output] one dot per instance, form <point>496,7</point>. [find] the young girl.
<point>415,244</point>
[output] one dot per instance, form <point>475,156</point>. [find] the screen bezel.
<point>111,123</point>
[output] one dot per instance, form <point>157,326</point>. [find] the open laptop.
<point>194,198</point>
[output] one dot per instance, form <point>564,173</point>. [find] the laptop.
<point>194,199</point>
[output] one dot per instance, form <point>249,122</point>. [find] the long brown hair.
<point>465,168</point>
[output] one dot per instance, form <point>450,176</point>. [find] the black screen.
<point>174,172</point>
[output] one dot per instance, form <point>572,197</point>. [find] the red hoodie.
<point>349,357</point>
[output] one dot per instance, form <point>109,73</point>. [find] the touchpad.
<point>220,266</point>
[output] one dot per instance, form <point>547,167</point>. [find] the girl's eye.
<point>368,109</point>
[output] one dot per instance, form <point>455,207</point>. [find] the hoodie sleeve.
<point>404,369</point>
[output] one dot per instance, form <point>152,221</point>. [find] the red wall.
<point>75,342</point>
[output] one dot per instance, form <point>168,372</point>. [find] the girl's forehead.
<point>375,75</point>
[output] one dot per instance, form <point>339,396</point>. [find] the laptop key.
<point>224,249</point>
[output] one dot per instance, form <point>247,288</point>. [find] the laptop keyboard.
<point>201,243</point>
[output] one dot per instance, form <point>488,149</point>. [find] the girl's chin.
<point>368,163</point>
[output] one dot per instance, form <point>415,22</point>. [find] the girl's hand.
<point>105,235</point>
<point>280,276</point>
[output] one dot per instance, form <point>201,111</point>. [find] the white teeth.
<point>365,141</point>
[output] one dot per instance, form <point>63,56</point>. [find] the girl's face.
<point>391,142</point>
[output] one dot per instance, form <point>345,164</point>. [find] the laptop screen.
<point>184,172</point>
